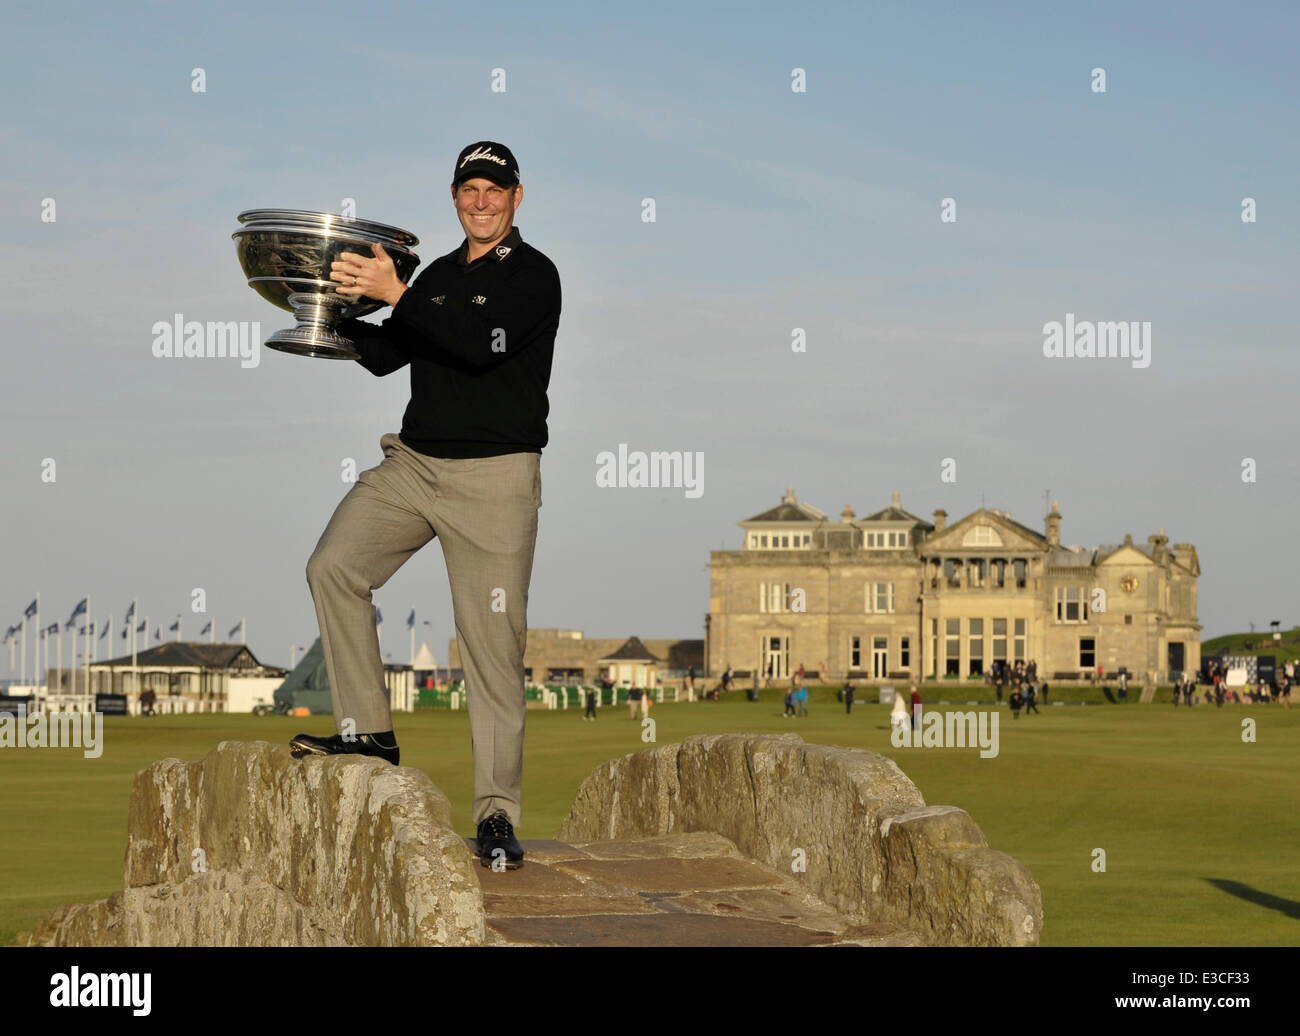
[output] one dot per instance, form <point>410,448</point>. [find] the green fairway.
<point>1199,828</point>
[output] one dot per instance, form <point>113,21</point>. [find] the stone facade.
<point>894,597</point>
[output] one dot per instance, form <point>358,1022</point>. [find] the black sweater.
<point>479,338</point>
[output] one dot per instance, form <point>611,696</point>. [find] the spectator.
<point>591,703</point>
<point>633,702</point>
<point>789,704</point>
<point>768,682</point>
<point>1043,691</point>
<point>1029,699</point>
<point>915,701</point>
<point>848,697</point>
<point>690,683</point>
<point>727,678</point>
<point>898,715</point>
<point>1123,686</point>
<point>801,697</point>
<point>1015,702</point>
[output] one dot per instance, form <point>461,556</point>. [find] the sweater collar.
<point>500,253</point>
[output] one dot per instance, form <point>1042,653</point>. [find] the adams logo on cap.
<point>487,158</point>
<point>485,154</point>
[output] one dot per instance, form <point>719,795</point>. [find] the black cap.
<point>487,158</point>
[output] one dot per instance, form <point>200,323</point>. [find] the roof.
<point>789,513</point>
<point>789,510</point>
<point>189,653</point>
<point>1107,549</point>
<point>632,650</point>
<point>1069,557</point>
<point>896,514</point>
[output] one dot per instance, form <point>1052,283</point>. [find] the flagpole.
<point>243,632</point>
<point>86,648</point>
<point>212,631</point>
<point>135,679</point>
<point>36,678</point>
<point>23,675</point>
<point>58,672</point>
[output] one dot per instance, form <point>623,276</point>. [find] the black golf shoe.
<point>497,841</point>
<point>362,744</point>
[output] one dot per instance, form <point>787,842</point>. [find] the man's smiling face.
<point>486,210</point>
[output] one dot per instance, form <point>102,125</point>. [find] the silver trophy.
<point>286,256</point>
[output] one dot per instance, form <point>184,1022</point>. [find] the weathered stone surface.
<point>781,906</point>
<point>672,874</point>
<point>653,930</point>
<point>943,879</point>
<point>562,906</point>
<point>781,801</point>
<point>83,924</point>
<point>341,850</point>
<point>689,846</point>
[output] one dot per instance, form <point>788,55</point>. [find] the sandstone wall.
<point>870,845</point>
<point>339,851</point>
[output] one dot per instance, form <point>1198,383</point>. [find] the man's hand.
<point>360,275</point>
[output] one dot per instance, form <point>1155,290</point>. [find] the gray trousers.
<point>484,510</point>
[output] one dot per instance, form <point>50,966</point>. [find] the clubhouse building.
<point>894,597</point>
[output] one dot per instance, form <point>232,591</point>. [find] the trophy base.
<point>313,341</point>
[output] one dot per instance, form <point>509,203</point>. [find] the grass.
<point>1199,828</point>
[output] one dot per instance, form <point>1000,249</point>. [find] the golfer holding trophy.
<point>477,328</point>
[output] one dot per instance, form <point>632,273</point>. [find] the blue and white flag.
<point>130,613</point>
<point>234,629</point>
<point>175,627</point>
<point>205,629</point>
<point>31,610</point>
<point>78,610</point>
<point>379,616</point>
<point>410,620</point>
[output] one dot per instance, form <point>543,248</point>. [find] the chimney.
<point>1054,525</point>
<point>847,514</point>
<point>789,496</point>
<point>940,520</point>
<point>894,502</point>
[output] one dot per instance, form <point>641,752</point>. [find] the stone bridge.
<point>720,840</point>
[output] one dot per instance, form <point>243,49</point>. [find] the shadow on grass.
<point>1289,907</point>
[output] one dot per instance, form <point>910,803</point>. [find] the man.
<point>478,328</point>
<point>848,696</point>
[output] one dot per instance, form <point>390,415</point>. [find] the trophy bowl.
<point>286,256</point>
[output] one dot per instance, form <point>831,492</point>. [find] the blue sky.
<point>774,210</point>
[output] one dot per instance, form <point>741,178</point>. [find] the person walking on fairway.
<point>477,327</point>
<point>848,697</point>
